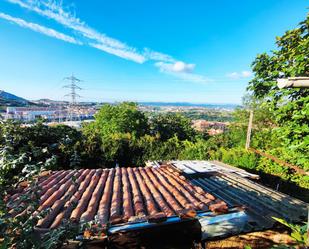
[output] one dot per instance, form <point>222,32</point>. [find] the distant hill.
<point>9,99</point>
<point>9,96</point>
<point>207,105</point>
<point>49,102</point>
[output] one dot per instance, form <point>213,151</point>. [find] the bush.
<point>200,150</point>
<point>238,157</point>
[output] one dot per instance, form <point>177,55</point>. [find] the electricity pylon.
<point>73,88</point>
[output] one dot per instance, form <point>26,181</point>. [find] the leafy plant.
<point>18,217</point>
<point>299,233</point>
<point>290,106</point>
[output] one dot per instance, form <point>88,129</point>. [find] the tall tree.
<point>122,118</point>
<point>289,106</point>
<point>166,126</point>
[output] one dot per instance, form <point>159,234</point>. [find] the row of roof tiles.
<point>119,195</point>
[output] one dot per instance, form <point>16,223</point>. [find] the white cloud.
<point>177,67</point>
<point>157,56</point>
<point>54,10</point>
<point>246,74</point>
<point>182,71</point>
<point>40,29</point>
<point>239,75</point>
<point>125,54</point>
<point>182,67</point>
<point>233,75</point>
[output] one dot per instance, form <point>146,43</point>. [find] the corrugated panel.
<point>198,167</point>
<point>260,202</point>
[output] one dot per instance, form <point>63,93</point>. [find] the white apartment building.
<point>32,113</point>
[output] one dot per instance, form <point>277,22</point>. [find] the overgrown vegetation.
<point>123,135</point>
<point>210,115</point>
<point>18,217</point>
<point>298,233</point>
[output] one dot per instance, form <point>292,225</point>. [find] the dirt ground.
<point>256,240</point>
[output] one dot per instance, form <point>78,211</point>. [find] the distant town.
<point>211,118</point>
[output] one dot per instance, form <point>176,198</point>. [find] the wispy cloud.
<point>239,75</point>
<point>40,29</point>
<point>177,67</point>
<point>54,10</point>
<point>157,56</point>
<point>182,71</point>
<point>123,53</point>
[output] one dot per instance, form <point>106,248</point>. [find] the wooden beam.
<point>297,82</point>
<point>249,130</point>
<point>279,161</point>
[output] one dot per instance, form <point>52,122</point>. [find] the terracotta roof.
<point>120,195</point>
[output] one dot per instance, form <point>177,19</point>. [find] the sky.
<point>197,51</point>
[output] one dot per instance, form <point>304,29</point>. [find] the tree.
<point>290,107</point>
<point>122,118</point>
<point>115,133</point>
<point>166,126</point>
<point>128,137</point>
<point>61,147</point>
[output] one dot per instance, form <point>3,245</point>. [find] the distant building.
<point>213,132</point>
<point>51,113</point>
<point>213,128</point>
<point>32,113</point>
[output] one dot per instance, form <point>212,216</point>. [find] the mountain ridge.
<point>9,99</point>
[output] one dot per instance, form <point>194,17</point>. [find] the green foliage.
<point>267,166</point>
<point>18,218</point>
<point>170,149</point>
<point>290,107</point>
<point>19,230</point>
<point>40,142</point>
<point>263,116</point>
<point>122,134</point>
<point>210,115</point>
<point>167,126</point>
<point>281,116</point>
<point>113,136</point>
<point>238,157</point>
<point>121,118</point>
<point>299,233</point>
<point>56,238</point>
<point>199,150</point>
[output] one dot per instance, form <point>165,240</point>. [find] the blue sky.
<point>194,51</point>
